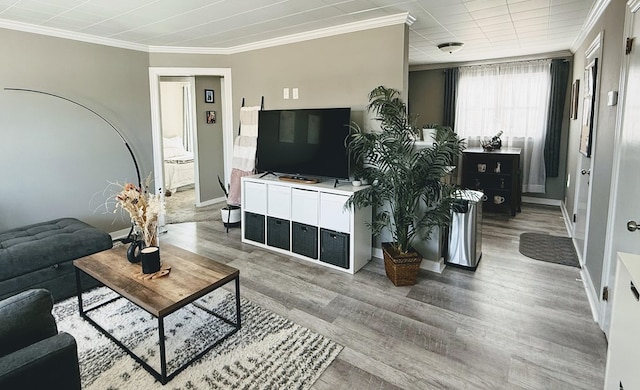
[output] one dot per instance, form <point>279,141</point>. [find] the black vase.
<point>133,253</point>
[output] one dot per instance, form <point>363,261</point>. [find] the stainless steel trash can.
<point>464,248</point>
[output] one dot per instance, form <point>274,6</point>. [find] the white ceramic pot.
<point>230,215</point>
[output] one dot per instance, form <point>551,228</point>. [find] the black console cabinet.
<point>497,174</point>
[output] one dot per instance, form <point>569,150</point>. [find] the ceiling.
<point>488,28</point>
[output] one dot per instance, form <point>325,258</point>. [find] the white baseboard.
<point>544,201</point>
<point>436,266</point>
<point>568,220</point>
<point>210,202</point>
<point>592,294</point>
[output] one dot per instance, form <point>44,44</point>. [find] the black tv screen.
<point>304,142</point>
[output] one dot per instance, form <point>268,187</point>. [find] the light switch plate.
<point>285,93</point>
<point>612,98</point>
<point>295,93</point>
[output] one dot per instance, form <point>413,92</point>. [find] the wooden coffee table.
<point>192,276</point>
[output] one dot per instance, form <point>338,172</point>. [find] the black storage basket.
<point>334,248</point>
<point>304,240</point>
<point>254,227</point>
<point>278,233</point>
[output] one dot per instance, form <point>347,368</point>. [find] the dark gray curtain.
<point>450,93</point>
<point>559,80</point>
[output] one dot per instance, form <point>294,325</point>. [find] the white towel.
<point>249,121</point>
<point>244,153</point>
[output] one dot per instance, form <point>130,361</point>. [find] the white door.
<point>586,157</point>
<point>625,199</point>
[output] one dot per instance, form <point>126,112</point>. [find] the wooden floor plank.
<point>514,323</point>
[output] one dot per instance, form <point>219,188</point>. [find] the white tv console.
<point>307,221</point>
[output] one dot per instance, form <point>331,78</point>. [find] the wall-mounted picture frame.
<point>211,117</point>
<point>208,95</point>
<point>575,93</point>
<point>588,106</point>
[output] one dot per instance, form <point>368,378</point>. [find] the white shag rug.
<point>268,352</point>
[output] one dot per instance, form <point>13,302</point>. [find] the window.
<point>514,98</point>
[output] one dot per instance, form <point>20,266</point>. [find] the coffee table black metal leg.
<point>79,290</point>
<point>238,302</point>
<point>163,352</point>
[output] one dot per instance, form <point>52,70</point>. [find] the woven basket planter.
<point>402,269</point>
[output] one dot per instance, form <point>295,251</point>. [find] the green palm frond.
<point>404,179</point>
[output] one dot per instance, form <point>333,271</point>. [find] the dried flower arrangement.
<point>144,209</point>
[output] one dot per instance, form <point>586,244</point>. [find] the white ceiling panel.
<point>488,28</point>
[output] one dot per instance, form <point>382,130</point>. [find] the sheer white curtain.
<point>514,98</point>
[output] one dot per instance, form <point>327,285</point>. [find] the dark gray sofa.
<point>41,256</point>
<point>33,355</point>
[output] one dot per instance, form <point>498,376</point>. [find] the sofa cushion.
<point>26,320</point>
<point>33,247</point>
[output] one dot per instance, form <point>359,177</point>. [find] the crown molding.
<point>402,18</point>
<point>59,33</point>
<point>596,12</point>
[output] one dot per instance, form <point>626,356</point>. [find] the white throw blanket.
<point>244,152</point>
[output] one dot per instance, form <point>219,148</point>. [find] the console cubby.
<point>304,240</point>
<point>253,227</point>
<point>278,234</point>
<point>334,248</point>
<point>307,221</point>
<point>497,174</point>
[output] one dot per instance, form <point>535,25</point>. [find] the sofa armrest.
<point>49,363</point>
<point>26,319</point>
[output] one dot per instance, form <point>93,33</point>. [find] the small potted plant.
<point>406,188</point>
<point>230,214</point>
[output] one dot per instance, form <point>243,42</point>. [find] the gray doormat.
<point>549,248</point>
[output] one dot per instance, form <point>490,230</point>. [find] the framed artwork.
<point>211,117</point>
<point>208,95</point>
<point>575,93</point>
<point>588,105</point>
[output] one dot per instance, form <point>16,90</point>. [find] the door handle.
<point>632,226</point>
<point>586,171</point>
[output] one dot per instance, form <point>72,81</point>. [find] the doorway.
<point>203,195</point>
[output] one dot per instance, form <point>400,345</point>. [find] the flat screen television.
<point>304,142</point>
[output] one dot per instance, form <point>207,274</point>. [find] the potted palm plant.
<point>406,191</point>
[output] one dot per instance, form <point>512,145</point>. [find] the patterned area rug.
<point>268,352</point>
<point>546,247</point>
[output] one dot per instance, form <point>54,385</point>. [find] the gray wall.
<point>426,96</point>
<point>210,154</point>
<point>57,158</point>
<point>62,157</point>
<point>337,71</point>
<point>611,23</point>
<point>426,100</point>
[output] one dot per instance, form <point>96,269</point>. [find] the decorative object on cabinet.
<point>494,143</point>
<point>497,174</point>
<point>405,179</point>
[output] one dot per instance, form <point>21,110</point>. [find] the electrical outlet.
<point>285,93</point>
<point>295,93</point>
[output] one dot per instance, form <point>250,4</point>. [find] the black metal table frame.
<point>162,376</point>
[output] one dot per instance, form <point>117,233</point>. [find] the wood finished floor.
<point>515,323</point>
